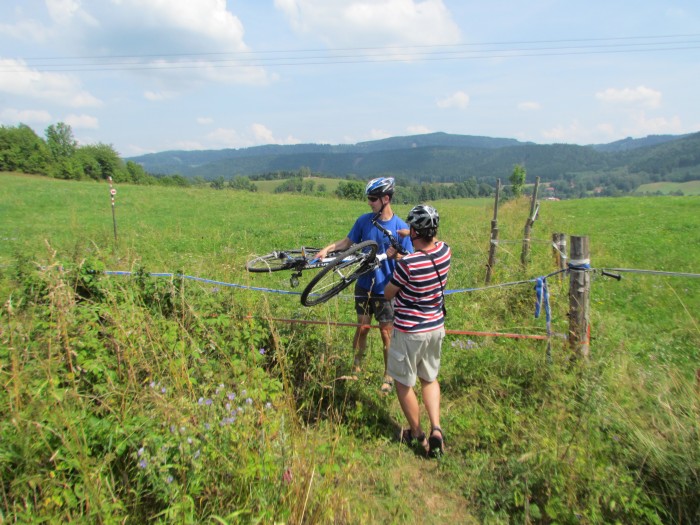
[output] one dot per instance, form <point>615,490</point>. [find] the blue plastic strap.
<point>542,298</point>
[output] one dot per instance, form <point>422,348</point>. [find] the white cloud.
<point>258,134</point>
<point>573,133</point>
<point>262,134</point>
<point>82,121</point>
<point>529,106</point>
<point>27,30</point>
<point>639,96</point>
<point>418,130</point>
<point>372,22</point>
<point>187,145</point>
<point>642,126</point>
<point>64,11</point>
<point>17,78</point>
<point>227,138</point>
<point>192,36</point>
<point>157,96</point>
<point>205,121</point>
<point>25,116</point>
<point>378,134</point>
<point>459,100</point>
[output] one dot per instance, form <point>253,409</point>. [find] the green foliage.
<point>575,171</point>
<point>351,190</point>
<point>60,141</point>
<point>118,391</point>
<point>517,180</point>
<point>22,150</point>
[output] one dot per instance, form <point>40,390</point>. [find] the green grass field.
<point>130,398</point>
<point>688,188</point>
<point>330,184</point>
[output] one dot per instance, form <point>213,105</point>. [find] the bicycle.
<point>295,259</point>
<point>346,268</point>
<point>338,269</point>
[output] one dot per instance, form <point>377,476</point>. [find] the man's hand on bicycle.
<point>392,253</point>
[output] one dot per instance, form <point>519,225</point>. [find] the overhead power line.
<point>356,55</point>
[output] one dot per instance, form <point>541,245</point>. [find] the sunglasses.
<point>372,199</point>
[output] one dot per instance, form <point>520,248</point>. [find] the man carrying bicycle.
<point>369,289</point>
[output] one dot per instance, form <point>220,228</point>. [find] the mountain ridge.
<point>444,157</point>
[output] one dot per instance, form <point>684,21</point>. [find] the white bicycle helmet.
<point>380,186</point>
<point>424,219</point>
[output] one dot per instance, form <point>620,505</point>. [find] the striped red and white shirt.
<point>418,303</point>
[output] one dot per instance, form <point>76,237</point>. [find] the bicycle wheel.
<point>282,260</point>
<point>340,273</point>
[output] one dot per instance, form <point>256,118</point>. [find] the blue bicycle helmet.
<point>380,186</point>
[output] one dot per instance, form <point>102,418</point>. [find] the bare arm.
<point>390,291</point>
<point>337,246</point>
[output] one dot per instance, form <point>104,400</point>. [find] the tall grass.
<point>143,399</point>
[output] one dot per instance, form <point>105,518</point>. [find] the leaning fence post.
<point>534,209</point>
<point>494,235</point>
<point>579,296</point>
<point>112,194</point>
<point>559,251</point>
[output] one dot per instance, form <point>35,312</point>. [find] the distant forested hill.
<point>442,157</point>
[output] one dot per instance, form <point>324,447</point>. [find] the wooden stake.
<point>559,251</point>
<point>579,296</point>
<point>534,209</point>
<point>494,236</point>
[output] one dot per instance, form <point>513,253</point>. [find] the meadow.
<point>688,188</point>
<point>129,397</point>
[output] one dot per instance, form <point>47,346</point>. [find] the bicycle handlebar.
<point>392,240</point>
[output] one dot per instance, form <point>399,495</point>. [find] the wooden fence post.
<point>494,235</point>
<point>534,209</point>
<point>559,251</point>
<point>579,296</point>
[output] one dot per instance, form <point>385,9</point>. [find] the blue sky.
<point>156,75</point>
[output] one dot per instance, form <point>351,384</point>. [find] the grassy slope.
<point>211,234</point>
<point>688,188</point>
<point>268,186</point>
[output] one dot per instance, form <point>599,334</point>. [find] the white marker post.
<point>113,193</point>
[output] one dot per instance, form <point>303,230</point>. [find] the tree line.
<point>59,155</point>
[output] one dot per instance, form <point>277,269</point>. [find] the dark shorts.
<point>375,305</point>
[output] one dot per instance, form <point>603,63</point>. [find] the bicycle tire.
<point>340,273</point>
<point>279,260</point>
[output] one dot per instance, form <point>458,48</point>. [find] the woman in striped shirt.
<point>417,287</point>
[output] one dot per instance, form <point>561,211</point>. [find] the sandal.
<point>408,438</point>
<point>387,386</point>
<point>436,443</point>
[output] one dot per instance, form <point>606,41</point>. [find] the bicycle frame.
<point>296,260</point>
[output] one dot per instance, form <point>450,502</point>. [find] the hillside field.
<point>688,188</point>
<point>131,397</point>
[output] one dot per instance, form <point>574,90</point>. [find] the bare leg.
<point>411,409</point>
<point>431,400</point>
<point>385,329</point>
<point>359,342</point>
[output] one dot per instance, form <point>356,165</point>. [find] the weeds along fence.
<point>578,268</point>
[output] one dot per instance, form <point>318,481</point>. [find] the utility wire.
<point>359,55</point>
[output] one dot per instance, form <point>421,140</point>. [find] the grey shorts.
<point>373,305</point>
<point>415,355</point>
